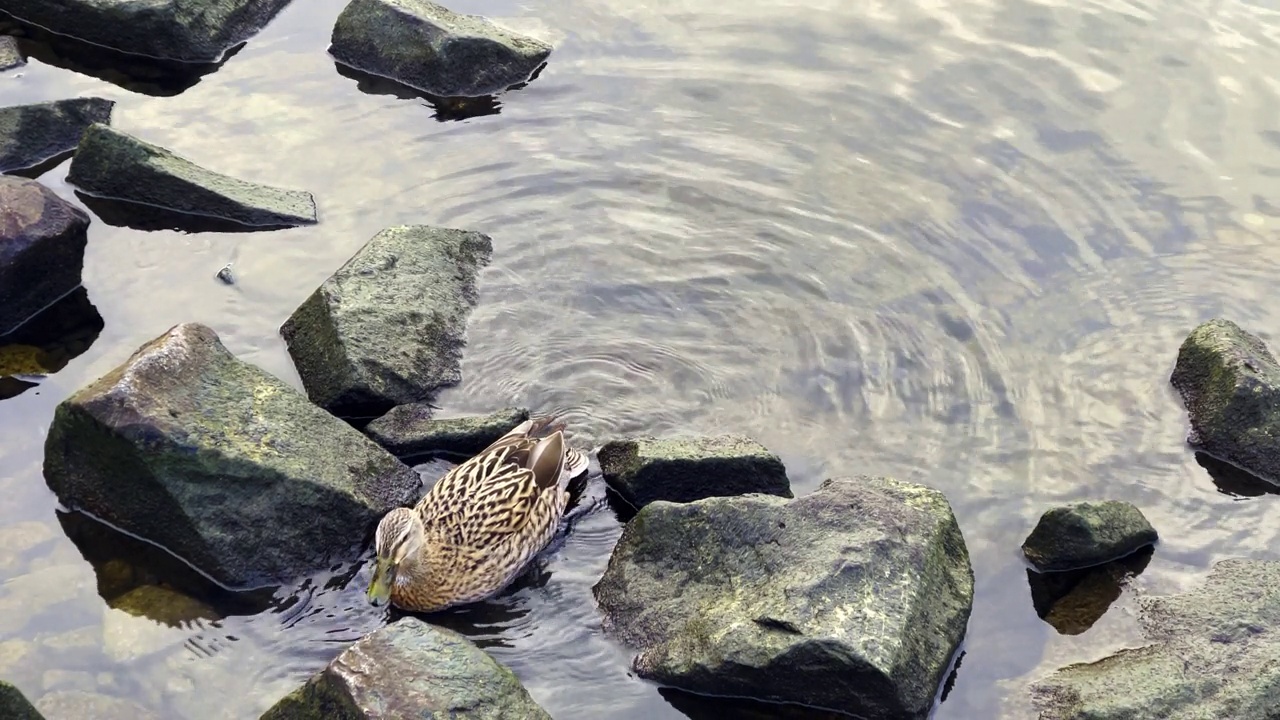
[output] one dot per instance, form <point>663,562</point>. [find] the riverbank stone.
<point>1071,537</point>
<point>409,430</point>
<point>388,328</point>
<point>410,669</point>
<point>31,134</point>
<point>192,31</point>
<point>14,705</point>
<point>42,243</point>
<point>1210,653</point>
<point>115,165</point>
<point>433,49</point>
<point>221,463</point>
<point>10,55</point>
<point>687,468</point>
<point>853,598</point>
<point>1230,384</point>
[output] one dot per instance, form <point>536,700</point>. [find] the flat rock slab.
<point>1230,384</point>
<point>1214,654</point>
<point>853,598</point>
<point>14,705</point>
<point>409,430</point>
<point>388,328</point>
<point>431,48</point>
<point>410,669</point>
<point>185,30</point>
<point>687,468</point>
<point>42,242</point>
<point>221,463</point>
<point>115,165</point>
<point>10,55</point>
<point>1077,536</point>
<point>32,134</point>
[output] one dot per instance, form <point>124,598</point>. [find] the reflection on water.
<point>1072,601</point>
<point>447,108</point>
<point>150,218</point>
<point>44,344</point>
<point>958,242</point>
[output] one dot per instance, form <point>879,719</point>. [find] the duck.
<point>479,527</point>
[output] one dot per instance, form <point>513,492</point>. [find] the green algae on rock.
<point>31,134</point>
<point>388,328</point>
<point>115,165</point>
<point>223,464</point>
<point>1212,653</point>
<point>687,468</point>
<point>1076,536</point>
<point>42,243</point>
<point>409,430</point>
<point>1230,384</point>
<point>853,598</point>
<point>10,55</point>
<point>433,49</point>
<point>410,669</point>
<point>190,31</point>
<point>14,705</point>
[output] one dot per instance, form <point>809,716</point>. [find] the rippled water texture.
<point>954,242</point>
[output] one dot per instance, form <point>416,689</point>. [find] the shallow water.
<point>954,242</point>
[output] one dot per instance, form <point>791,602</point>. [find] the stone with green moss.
<point>1082,534</point>
<point>410,669</point>
<point>31,134</point>
<point>221,463</point>
<point>429,47</point>
<point>42,243</point>
<point>1211,654</point>
<point>14,705</point>
<point>115,165</point>
<point>388,328</point>
<point>185,30</point>
<point>411,431</point>
<point>10,54</point>
<point>691,467</point>
<point>852,598</point>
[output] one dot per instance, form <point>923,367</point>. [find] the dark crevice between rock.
<point>1072,601</point>
<point>447,109</point>
<point>151,218</point>
<point>47,342</point>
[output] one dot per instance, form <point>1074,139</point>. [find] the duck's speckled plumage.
<point>486,519</point>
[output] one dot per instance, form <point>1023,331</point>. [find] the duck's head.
<point>397,544</point>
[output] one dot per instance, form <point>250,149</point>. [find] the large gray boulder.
<point>10,54</point>
<point>853,598</point>
<point>1214,653</point>
<point>388,328</point>
<point>410,669</point>
<point>42,242</point>
<point>32,134</point>
<point>1230,384</point>
<point>14,705</point>
<point>221,463</point>
<point>431,48</point>
<point>409,430</point>
<point>687,468</point>
<point>115,165</point>
<point>185,30</point>
<point>1070,537</point>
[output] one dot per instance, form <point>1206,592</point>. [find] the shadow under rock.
<point>150,218</point>
<point>1072,601</point>
<point>47,342</point>
<point>706,707</point>
<point>447,109</point>
<point>136,73</point>
<point>1234,481</point>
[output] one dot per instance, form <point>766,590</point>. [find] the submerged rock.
<point>116,165</point>
<point>389,326</point>
<point>78,704</point>
<point>431,48</point>
<point>42,242</point>
<point>10,55</point>
<point>14,705</point>
<point>408,430</point>
<point>1230,385</point>
<point>684,469</point>
<point>410,669</point>
<point>32,134</point>
<point>852,598</point>
<point>1212,654</point>
<point>1075,536</point>
<point>220,462</point>
<point>185,30</point>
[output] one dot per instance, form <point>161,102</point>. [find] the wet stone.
<point>114,165</point>
<point>409,430</point>
<point>32,134</point>
<point>431,48</point>
<point>1085,534</point>
<point>42,242</point>
<point>15,706</point>
<point>683,469</point>
<point>10,55</point>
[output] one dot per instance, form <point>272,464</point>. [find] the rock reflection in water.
<point>1072,601</point>
<point>446,108</point>
<point>47,342</point>
<point>1234,481</point>
<point>702,707</point>
<point>150,218</point>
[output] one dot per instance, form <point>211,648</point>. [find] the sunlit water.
<point>954,242</point>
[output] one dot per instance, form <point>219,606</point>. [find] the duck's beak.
<point>384,573</point>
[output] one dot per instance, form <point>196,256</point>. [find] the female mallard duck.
<point>477,529</point>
